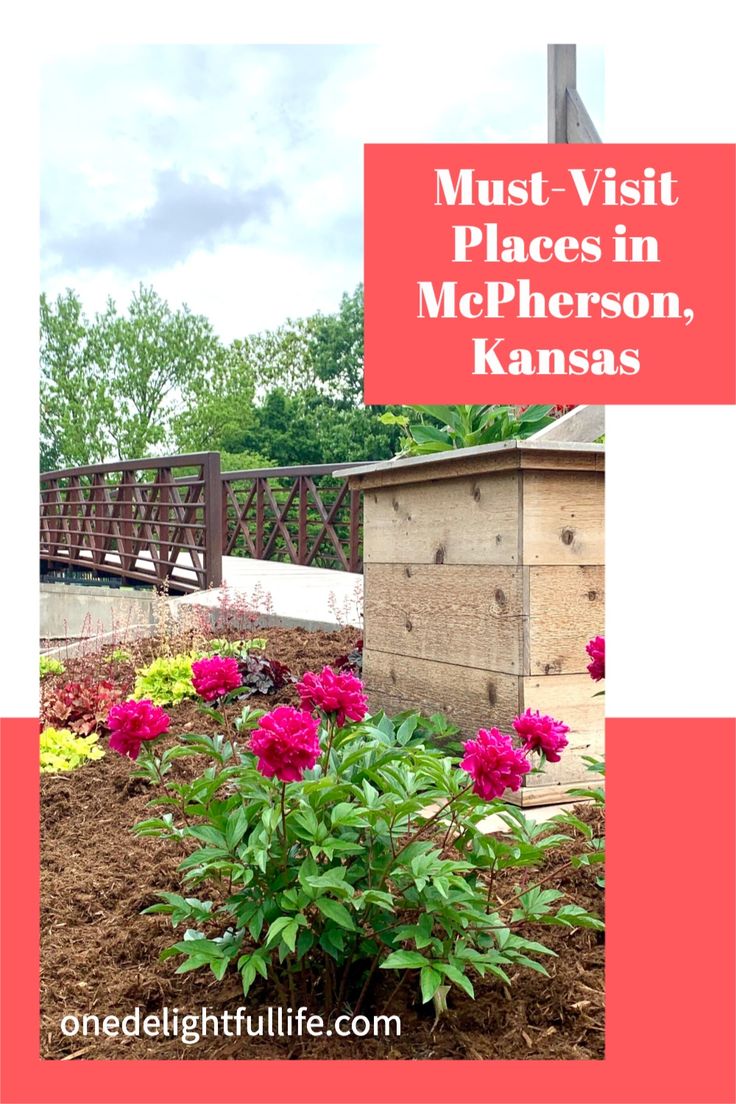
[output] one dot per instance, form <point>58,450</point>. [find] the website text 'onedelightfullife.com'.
<point>190,1027</point>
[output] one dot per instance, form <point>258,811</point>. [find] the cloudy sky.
<point>230,177</point>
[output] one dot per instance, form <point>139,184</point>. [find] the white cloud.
<point>271,121</point>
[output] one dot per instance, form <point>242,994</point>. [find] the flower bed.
<point>98,876</point>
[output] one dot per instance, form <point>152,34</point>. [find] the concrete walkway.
<point>286,594</point>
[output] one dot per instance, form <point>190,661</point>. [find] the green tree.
<point>284,430</point>
<point>309,376</point>
<point>324,351</point>
<point>280,358</point>
<point>157,379</point>
<point>110,388</point>
<point>336,348</point>
<point>156,358</point>
<point>218,407</point>
<point>75,409</point>
<point>311,428</point>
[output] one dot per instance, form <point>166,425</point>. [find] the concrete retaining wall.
<point>70,611</point>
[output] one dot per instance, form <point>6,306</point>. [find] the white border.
<point>669,77</point>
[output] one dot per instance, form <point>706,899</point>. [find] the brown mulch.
<point>100,956</point>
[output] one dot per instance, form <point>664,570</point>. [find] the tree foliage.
<point>111,386</point>
<point>156,380</point>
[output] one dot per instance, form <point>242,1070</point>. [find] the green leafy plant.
<point>597,843</point>
<point>119,655</point>
<point>167,680</point>
<point>62,750</point>
<point>49,666</point>
<point>372,858</point>
<point>440,428</point>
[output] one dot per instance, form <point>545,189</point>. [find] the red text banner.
<point>549,273</point>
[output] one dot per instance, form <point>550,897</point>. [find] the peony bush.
<point>321,845</point>
<point>214,676</point>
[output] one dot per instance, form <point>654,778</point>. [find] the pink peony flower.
<point>213,677</point>
<point>133,722</point>
<point>596,649</point>
<point>286,743</point>
<point>340,694</point>
<point>494,763</point>
<point>542,733</point>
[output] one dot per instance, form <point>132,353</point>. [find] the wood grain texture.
<point>470,520</point>
<point>561,69</point>
<point>529,796</point>
<point>582,423</point>
<point>566,607</point>
<point>469,697</point>
<point>563,520</point>
<point>468,615</point>
<point>452,465</point>
<point>452,469</point>
<point>569,698</point>
<point>540,459</point>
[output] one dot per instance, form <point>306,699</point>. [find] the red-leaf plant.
<point>81,707</point>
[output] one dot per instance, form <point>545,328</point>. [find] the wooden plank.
<point>541,459</point>
<point>563,521</point>
<point>560,77</point>
<point>567,117</point>
<point>470,615</point>
<point>566,609</point>
<point>211,497</point>
<point>568,698</point>
<point>454,464</point>
<point>529,796</point>
<point>469,697</point>
<point>451,466</point>
<point>581,424</point>
<point>470,520</point>
<point>580,126</point>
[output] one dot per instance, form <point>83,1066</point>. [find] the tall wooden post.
<point>213,519</point>
<point>567,117</point>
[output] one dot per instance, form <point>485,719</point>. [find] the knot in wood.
<point>567,536</point>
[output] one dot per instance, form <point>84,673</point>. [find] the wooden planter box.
<point>484,580</point>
